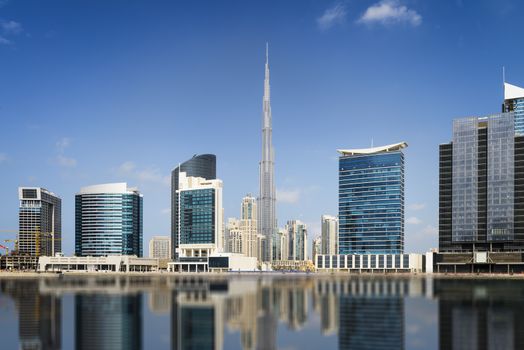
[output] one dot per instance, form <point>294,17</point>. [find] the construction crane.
<point>6,249</point>
<point>37,234</point>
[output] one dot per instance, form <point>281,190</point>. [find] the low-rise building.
<point>380,263</point>
<point>111,263</point>
<point>220,262</point>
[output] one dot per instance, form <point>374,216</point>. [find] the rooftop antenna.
<point>503,83</point>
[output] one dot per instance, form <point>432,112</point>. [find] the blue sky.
<point>104,91</point>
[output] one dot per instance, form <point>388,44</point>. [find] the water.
<point>261,312</point>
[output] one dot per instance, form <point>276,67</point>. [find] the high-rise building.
<point>248,226</point>
<point>40,222</point>
<point>329,234</point>
<point>371,200</point>
<point>514,102</point>
<point>234,236</point>
<point>297,240</point>
<point>481,196</point>
<point>267,222</point>
<point>280,245</point>
<point>108,220</point>
<point>160,247</point>
<point>316,248</point>
<point>204,166</point>
<point>201,216</point>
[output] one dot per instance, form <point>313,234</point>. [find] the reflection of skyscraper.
<point>39,316</point>
<point>105,321</point>
<point>480,314</point>
<point>329,313</point>
<point>266,321</point>
<point>371,322</point>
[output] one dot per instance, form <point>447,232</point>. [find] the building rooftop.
<point>373,150</point>
<point>512,91</point>
<point>118,187</point>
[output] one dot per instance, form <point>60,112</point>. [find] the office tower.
<point>514,102</point>
<point>280,245</point>
<point>108,220</point>
<point>234,236</point>
<point>248,226</point>
<point>317,248</point>
<point>481,194</point>
<point>267,222</point>
<point>108,321</point>
<point>200,208</point>
<point>297,240</point>
<point>160,247</point>
<point>40,222</point>
<point>203,165</point>
<point>329,234</point>
<point>371,200</point>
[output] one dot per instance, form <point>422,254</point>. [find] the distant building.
<point>316,249</point>
<point>234,236</point>
<point>108,220</point>
<point>248,226</point>
<point>200,208</point>
<point>204,166</point>
<point>371,200</point>
<point>481,191</point>
<point>160,247</point>
<point>40,222</point>
<point>329,237</point>
<point>297,240</point>
<point>280,245</point>
<point>514,102</point>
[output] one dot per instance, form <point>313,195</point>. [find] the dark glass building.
<point>203,165</point>
<point>371,200</point>
<point>481,197</point>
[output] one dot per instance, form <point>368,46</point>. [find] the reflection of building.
<point>371,200</point>
<point>160,301</point>
<point>329,313</point>
<point>203,165</point>
<point>107,321</point>
<point>480,315</point>
<point>39,316</point>
<point>297,240</point>
<point>40,222</point>
<point>329,234</point>
<point>160,247</point>
<point>108,220</point>
<point>481,217</point>
<point>371,322</point>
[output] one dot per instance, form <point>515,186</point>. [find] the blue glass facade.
<point>108,224</point>
<point>371,203</point>
<point>197,216</point>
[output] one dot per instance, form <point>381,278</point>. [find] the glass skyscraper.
<point>108,220</point>
<point>371,200</point>
<point>204,166</point>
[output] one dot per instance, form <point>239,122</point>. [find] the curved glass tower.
<point>108,220</point>
<point>203,165</point>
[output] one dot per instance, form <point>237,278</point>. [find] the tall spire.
<point>267,223</point>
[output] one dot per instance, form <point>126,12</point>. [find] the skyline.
<point>322,78</point>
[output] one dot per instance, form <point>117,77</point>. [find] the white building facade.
<point>160,247</point>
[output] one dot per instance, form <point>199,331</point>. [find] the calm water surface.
<point>261,312</point>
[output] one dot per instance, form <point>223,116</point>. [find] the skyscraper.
<point>108,220</point>
<point>329,235</point>
<point>297,240</point>
<point>200,208</point>
<point>371,200</point>
<point>481,191</point>
<point>204,166</point>
<point>267,223</point>
<point>248,225</point>
<point>514,102</point>
<point>40,222</point>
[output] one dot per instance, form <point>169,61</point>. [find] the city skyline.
<point>105,98</point>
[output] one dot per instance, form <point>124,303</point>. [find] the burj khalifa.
<point>267,223</point>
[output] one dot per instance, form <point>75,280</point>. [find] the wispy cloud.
<point>332,16</point>
<point>390,12</point>
<point>165,211</point>
<point>430,230</point>
<point>3,157</point>
<point>417,206</point>
<point>413,220</point>
<point>8,29</point>
<point>61,159</point>
<point>288,196</point>
<point>150,174</point>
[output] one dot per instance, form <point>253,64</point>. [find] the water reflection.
<point>252,312</point>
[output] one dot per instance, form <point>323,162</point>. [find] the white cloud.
<point>430,230</point>
<point>413,221</point>
<point>389,12</point>
<point>61,158</point>
<point>332,16</point>
<point>65,161</point>
<point>4,41</point>
<point>417,206</point>
<point>288,196</point>
<point>165,211</point>
<point>11,27</point>
<point>153,175</point>
<point>62,144</point>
